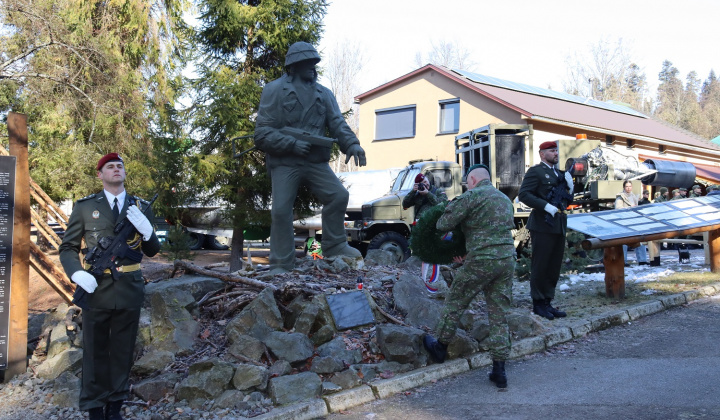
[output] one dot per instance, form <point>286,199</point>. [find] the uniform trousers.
<point>494,279</point>
<point>547,256</point>
<point>108,344</point>
<point>322,182</point>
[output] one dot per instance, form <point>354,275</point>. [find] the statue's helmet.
<point>301,51</point>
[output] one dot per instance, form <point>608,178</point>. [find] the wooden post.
<point>20,276</point>
<point>614,272</point>
<point>713,241</point>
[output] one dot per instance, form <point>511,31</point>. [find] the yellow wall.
<point>425,91</point>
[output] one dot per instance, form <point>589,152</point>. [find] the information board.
<point>7,213</point>
<point>647,219</point>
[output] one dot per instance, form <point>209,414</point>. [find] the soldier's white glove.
<point>569,180</point>
<point>85,280</point>
<point>141,223</point>
<point>551,209</point>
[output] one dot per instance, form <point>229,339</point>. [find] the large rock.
<point>337,349</point>
<point>375,257</point>
<point>293,347</point>
<point>197,286</point>
<point>291,388</point>
<point>233,399</point>
<point>154,389</point>
<point>258,319</point>
<point>326,364</point>
<point>462,345</point>
<point>523,325</point>
<point>347,379</point>
<point>58,346</point>
<point>306,320</point>
<point>152,361</point>
<point>67,361</point>
<point>206,380</point>
<point>173,328</point>
<point>246,346</point>
<point>250,377</point>
<point>419,306</point>
<point>401,344</point>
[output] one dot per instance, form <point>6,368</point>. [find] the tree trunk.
<point>236,250</point>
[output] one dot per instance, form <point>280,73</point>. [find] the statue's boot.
<point>340,250</point>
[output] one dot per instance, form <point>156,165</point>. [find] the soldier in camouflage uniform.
<point>485,216</point>
<point>423,195</point>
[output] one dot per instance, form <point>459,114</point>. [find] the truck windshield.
<point>405,179</point>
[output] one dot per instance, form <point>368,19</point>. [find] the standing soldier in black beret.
<point>111,313</point>
<point>546,234</point>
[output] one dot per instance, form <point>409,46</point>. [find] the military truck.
<point>508,150</point>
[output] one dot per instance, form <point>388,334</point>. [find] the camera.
<point>421,186</point>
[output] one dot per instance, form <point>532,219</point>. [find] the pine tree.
<point>242,46</point>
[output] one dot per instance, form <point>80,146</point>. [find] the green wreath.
<point>426,241</point>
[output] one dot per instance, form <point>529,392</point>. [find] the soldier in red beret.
<point>423,195</point>
<point>111,310</point>
<point>546,234</point>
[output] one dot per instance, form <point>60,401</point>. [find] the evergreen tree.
<point>89,75</point>
<point>242,45</point>
<point>671,95</point>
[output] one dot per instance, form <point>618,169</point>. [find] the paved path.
<point>665,366</point>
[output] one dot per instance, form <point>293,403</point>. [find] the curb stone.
<point>349,398</point>
<point>386,387</point>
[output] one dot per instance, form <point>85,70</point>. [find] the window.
<point>609,140</point>
<point>630,143</point>
<point>395,123</point>
<point>449,116</point>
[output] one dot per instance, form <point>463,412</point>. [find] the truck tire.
<point>195,240</point>
<point>216,243</point>
<point>393,242</point>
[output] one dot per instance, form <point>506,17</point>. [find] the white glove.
<point>569,180</point>
<point>141,223</point>
<point>551,209</point>
<point>85,280</point>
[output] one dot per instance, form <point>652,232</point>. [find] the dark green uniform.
<point>110,322</point>
<point>548,240</point>
<point>485,216</point>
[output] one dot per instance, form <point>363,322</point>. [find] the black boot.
<point>655,262</point>
<point>96,414</point>
<point>498,374</point>
<point>540,308</point>
<point>556,313</point>
<point>437,350</point>
<point>112,410</point>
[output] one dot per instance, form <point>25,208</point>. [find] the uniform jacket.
<point>92,219</point>
<point>280,106</point>
<point>536,186</point>
<point>423,202</point>
<point>485,216</point>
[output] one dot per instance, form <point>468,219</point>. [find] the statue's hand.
<point>358,153</point>
<point>301,148</point>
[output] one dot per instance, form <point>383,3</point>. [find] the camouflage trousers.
<point>494,279</point>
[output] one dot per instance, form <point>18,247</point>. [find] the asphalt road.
<point>665,366</point>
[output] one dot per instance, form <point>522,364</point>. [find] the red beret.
<point>108,158</point>
<point>548,145</point>
<point>419,178</point>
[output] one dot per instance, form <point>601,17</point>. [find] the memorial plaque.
<point>648,219</point>
<point>7,209</point>
<point>350,309</point>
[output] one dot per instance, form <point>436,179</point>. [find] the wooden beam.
<point>20,276</point>
<point>41,197</point>
<point>714,246</point>
<point>45,229</point>
<point>614,261</point>
<point>55,277</point>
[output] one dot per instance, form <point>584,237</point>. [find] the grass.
<point>680,282</point>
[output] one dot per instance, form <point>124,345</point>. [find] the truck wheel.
<point>391,241</point>
<point>217,243</point>
<point>195,240</point>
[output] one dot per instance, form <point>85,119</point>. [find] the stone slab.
<point>348,399</point>
<point>644,309</point>
<point>386,387</point>
<point>300,411</point>
<point>527,346</point>
<point>479,360</point>
<point>557,336</point>
<point>673,300</point>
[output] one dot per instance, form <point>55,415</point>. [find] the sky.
<point>525,41</point>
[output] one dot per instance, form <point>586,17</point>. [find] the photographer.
<point>423,195</point>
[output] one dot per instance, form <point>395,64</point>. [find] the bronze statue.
<point>298,155</point>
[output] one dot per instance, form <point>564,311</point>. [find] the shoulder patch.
<point>87,197</point>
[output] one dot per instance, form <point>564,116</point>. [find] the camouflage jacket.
<point>485,215</point>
